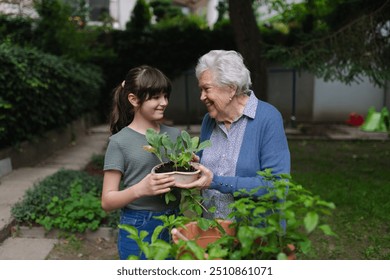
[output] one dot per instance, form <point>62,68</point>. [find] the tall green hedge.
<point>16,29</point>
<point>39,92</point>
<point>173,48</point>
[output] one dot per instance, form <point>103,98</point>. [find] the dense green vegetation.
<point>68,200</point>
<point>54,52</point>
<point>40,92</point>
<point>354,175</point>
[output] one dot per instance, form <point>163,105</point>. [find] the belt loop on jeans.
<point>150,214</point>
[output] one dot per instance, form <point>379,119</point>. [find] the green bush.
<point>40,92</point>
<point>67,200</point>
<point>76,213</point>
<point>189,38</point>
<point>16,29</point>
<point>114,51</point>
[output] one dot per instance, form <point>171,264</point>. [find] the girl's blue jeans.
<point>141,220</point>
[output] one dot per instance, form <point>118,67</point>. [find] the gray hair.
<point>227,68</point>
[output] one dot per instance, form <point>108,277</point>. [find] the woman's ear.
<point>133,99</point>
<point>233,90</point>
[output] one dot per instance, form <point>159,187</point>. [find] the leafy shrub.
<point>180,52</point>
<point>59,195</point>
<point>276,225</point>
<point>46,90</point>
<point>16,29</point>
<point>76,213</point>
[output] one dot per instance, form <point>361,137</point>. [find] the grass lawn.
<point>355,175</point>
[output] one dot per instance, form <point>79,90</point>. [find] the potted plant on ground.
<point>275,226</point>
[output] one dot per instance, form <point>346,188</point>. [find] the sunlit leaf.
<point>311,221</point>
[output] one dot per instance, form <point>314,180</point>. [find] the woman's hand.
<point>195,158</point>
<point>204,180</point>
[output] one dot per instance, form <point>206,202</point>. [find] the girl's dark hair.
<point>144,82</point>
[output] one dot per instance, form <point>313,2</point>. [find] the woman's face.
<point>216,98</point>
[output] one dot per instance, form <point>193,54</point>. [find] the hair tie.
<point>123,84</point>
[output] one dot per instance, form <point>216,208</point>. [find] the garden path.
<point>15,184</point>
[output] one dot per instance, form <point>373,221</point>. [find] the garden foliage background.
<point>56,67</point>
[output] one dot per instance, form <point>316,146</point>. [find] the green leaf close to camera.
<point>311,221</point>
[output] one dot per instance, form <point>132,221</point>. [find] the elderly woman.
<point>247,134</point>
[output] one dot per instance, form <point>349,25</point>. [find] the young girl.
<point>139,103</point>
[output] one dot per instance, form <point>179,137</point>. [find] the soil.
<point>84,249</point>
<point>169,167</point>
<point>94,169</point>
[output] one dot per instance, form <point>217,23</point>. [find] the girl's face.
<point>153,109</point>
<point>216,98</point>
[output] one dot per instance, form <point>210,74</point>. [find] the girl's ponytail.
<point>122,112</point>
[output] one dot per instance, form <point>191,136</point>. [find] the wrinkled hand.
<point>195,158</point>
<point>204,180</point>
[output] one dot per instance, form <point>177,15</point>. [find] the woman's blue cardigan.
<point>264,146</point>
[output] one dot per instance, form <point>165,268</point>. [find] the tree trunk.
<point>249,42</point>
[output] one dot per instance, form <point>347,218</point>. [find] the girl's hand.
<point>203,182</point>
<point>155,184</point>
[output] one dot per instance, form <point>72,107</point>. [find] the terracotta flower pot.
<point>193,232</point>
<point>180,175</point>
<point>290,252</point>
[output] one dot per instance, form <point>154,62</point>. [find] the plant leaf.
<point>156,233</point>
<point>143,234</point>
<point>204,144</point>
<point>167,142</point>
<point>245,236</point>
<point>194,142</point>
<point>327,230</point>
<point>186,138</point>
<point>130,229</point>
<point>204,224</point>
<point>311,221</point>
<point>159,250</point>
<point>196,249</point>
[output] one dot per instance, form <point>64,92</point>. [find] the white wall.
<point>120,11</point>
<point>212,13</point>
<point>333,101</point>
<point>24,8</point>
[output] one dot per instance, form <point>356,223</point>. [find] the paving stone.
<point>26,248</point>
<point>5,166</point>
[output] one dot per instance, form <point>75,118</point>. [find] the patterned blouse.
<point>222,158</point>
